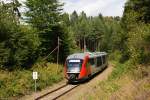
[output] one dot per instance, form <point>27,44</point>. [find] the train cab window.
<point>74,63</point>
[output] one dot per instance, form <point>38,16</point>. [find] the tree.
<point>136,11</point>
<point>18,44</point>
<point>74,17</point>
<point>137,14</point>
<point>66,24</point>
<point>100,33</point>
<point>45,16</point>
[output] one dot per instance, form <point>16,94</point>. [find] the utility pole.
<point>57,53</point>
<point>98,46</point>
<point>84,45</point>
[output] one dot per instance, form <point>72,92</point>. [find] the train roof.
<point>82,55</point>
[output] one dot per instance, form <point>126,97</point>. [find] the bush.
<point>120,69</point>
<point>18,43</point>
<point>116,56</point>
<point>20,49</point>
<point>20,82</point>
<point>139,44</point>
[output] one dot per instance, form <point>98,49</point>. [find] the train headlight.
<point>75,70</point>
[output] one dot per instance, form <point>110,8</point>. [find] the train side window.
<point>99,61</point>
<point>104,59</point>
<point>92,61</point>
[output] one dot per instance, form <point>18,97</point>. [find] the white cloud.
<point>22,8</point>
<point>94,7</point>
<point>90,7</point>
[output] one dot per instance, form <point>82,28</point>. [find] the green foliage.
<point>136,21</point>
<point>120,69</point>
<point>20,82</point>
<point>116,56</point>
<point>45,16</point>
<point>113,37</point>
<point>74,18</point>
<point>139,44</point>
<point>112,84</point>
<point>137,11</point>
<point>100,33</point>
<point>18,43</point>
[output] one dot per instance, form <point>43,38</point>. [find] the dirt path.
<point>86,87</point>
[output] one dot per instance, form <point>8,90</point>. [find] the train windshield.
<point>74,63</point>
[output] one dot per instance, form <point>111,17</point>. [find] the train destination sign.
<point>74,60</point>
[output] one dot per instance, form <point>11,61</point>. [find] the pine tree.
<point>18,44</point>
<point>45,16</point>
<point>136,20</point>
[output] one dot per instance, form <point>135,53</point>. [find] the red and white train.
<point>81,66</point>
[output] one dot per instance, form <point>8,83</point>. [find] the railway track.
<point>57,93</point>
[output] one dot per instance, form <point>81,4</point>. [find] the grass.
<point>111,84</point>
<point>127,81</point>
<point>20,82</point>
<point>120,69</point>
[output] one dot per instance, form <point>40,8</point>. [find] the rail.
<point>57,93</point>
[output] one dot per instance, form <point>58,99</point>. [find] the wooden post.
<point>57,54</point>
<point>84,45</point>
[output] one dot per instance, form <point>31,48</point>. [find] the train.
<point>80,66</point>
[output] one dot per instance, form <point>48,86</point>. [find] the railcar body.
<point>80,66</point>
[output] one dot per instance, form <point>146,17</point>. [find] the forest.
<point>26,38</point>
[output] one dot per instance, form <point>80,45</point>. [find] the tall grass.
<point>127,81</point>
<point>120,70</point>
<point>20,82</point>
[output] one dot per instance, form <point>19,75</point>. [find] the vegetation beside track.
<point>28,37</point>
<point>20,82</point>
<point>126,81</point>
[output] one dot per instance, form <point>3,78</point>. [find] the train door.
<point>99,63</point>
<point>104,60</point>
<point>92,65</point>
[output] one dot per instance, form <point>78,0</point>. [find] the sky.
<point>94,7</point>
<point>91,7</point>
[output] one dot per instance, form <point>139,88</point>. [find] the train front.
<point>72,69</point>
